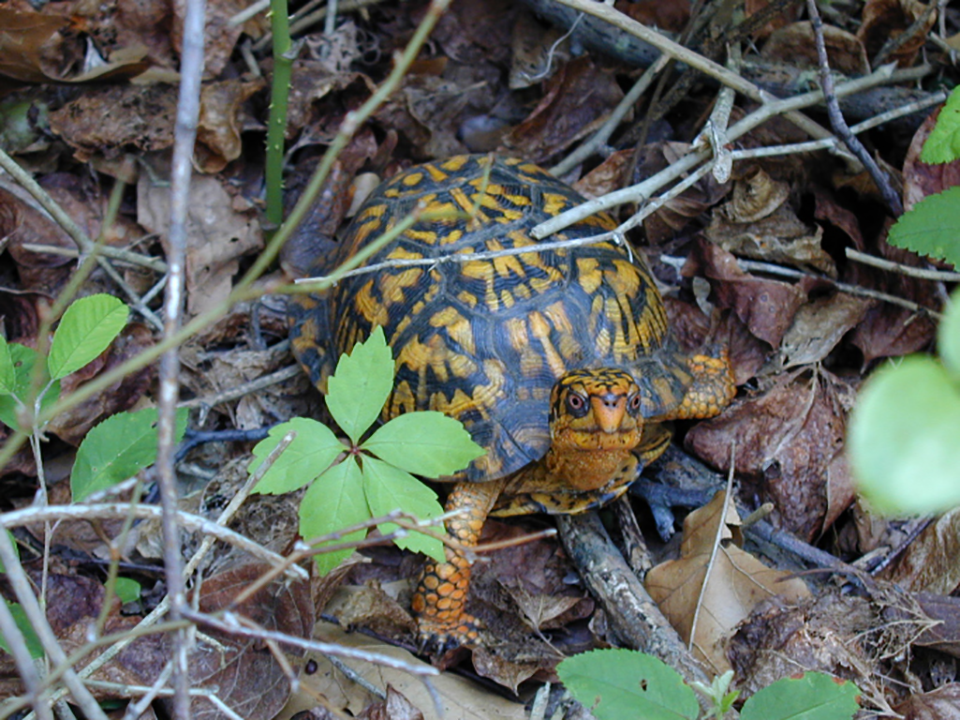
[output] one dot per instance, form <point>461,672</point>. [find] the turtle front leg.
<point>441,595</point>
<point>712,389</point>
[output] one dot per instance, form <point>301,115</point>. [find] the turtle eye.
<point>633,404</point>
<point>577,405</point>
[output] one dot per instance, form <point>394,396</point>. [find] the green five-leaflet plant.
<point>369,475</point>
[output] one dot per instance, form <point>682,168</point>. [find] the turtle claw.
<point>439,638</point>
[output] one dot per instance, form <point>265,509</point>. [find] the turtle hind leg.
<point>712,388</point>
<point>439,602</point>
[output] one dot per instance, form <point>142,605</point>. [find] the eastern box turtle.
<point>558,361</point>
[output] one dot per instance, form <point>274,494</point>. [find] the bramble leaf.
<point>425,443</point>
<point>333,502</point>
<point>86,329</point>
<point>29,634</point>
<point>903,438</point>
<point>118,448</point>
<point>23,359</point>
<point>312,451</point>
<point>948,337</point>
<point>932,227</point>
<point>361,384</point>
<point>943,143</point>
<point>814,696</point>
<point>8,376</point>
<point>389,488</point>
<point>620,684</point>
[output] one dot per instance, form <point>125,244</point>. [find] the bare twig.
<point>922,273</point>
<point>243,389</point>
<point>838,123</point>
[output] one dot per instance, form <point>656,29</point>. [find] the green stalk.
<point>277,122</point>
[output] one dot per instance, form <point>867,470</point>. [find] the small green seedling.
<point>358,479</point>
<point>620,684</point>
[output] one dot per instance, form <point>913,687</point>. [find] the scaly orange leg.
<point>441,594</point>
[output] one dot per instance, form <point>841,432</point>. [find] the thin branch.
<point>922,273</point>
<point>840,127</point>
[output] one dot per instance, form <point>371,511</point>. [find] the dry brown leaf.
<point>459,698</point>
<point>710,589</point>
<point>795,45</point>
<point>606,177</point>
<point>940,704</point>
<point>576,102</point>
<point>395,707</point>
<point>886,19</point>
<point>931,562</point>
<point>766,307</point>
<point>217,236</point>
<point>537,52</point>
<point>789,448</point>
<point>818,327</point>
<point>218,127</point>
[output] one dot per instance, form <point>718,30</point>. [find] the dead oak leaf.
<point>714,585</point>
<point>789,448</point>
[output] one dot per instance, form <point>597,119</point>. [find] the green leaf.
<point>358,389</point>
<point>16,550</point>
<point>932,227</point>
<point>29,634</point>
<point>127,590</point>
<point>310,453</point>
<point>903,438</point>
<point>23,359</point>
<point>948,340</point>
<point>619,684</point>
<point>814,696</point>
<point>426,443</point>
<point>943,143</point>
<point>87,328</point>
<point>118,448</point>
<point>333,502</point>
<point>8,376</point>
<point>389,488</point>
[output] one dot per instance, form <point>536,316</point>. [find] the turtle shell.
<point>484,340</point>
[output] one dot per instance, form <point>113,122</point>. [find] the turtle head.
<point>595,410</point>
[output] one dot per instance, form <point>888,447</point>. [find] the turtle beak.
<point>608,411</point>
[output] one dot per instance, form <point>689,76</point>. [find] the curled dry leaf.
<point>218,127</point>
<point>575,103</point>
<point>796,46</point>
<point>940,704</point>
<point>758,223</point>
<point>766,307</point>
<point>818,327</point>
<point>789,448</point>
<point>606,177</point>
<point>217,236</point>
<point>825,634</point>
<point>929,563</point>
<point>709,590</point>
<point>395,707</point>
<point>886,19</point>
<point>537,51</point>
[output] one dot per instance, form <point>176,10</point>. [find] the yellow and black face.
<point>595,410</point>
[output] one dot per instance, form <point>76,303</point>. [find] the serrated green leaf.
<point>943,143</point>
<point>8,376</point>
<point>389,488</point>
<point>86,329</point>
<point>23,359</point>
<point>333,502</point>
<point>932,227</point>
<point>127,589</point>
<point>118,448</point>
<point>29,634</point>
<point>948,337</point>
<point>815,696</point>
<point>310,453</point>
<point>619,684</point>
<point>358,389</point>
<point>903,438</point>
<point>425,443</point>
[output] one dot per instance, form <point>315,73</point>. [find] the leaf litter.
<point>494,78</point>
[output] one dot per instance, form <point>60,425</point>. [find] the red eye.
<point>575,402</point>
<point>635,402</point>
